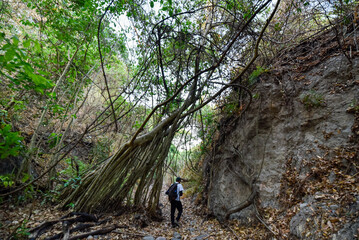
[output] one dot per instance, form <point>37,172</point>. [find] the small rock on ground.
<point>201,237</point>
<point>176,236</point>
<point>148,238</point>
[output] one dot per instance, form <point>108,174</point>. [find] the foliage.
<point>7,181</point>
<point>312,99</point>
<point>101,149</point>
<point>75,168</point>
<point>70,176</point>
<point>28,194</point>
<point>10,142</point>
<point>230,108</point>
<point>195,184</point>
<point>353,106</point>
<point>253,77</point>
<point>53,139</point>
<point>37,40</point>
<point>342,8</point>
<point>22,232</point>
<point>10,180</point>
<point>15,67</point>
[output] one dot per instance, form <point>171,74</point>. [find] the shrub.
<point>312,99</point>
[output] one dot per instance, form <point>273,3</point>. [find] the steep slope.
<point>297,145</point>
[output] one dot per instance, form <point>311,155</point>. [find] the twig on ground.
<point>128,233</point>
<point>234,232</point>
<point>260,219</point>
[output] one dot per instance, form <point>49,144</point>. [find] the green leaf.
<point>28,69</point>
<point>10,54</point>
<point>40,81</point>
<point>11,143</point>
<point>2,36</point>
<point>37,46</point>
<point>6,128</point>
<point>25,178</point>
<point>152,4</point>
<point>40,90</point>
<point>52,95</point>
<point>26,43</point>
<point>15,40</point>
<point>277,27</point>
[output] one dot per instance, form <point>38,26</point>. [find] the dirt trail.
<point>192,226</point>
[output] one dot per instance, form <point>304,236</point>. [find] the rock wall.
<point>297,118</point>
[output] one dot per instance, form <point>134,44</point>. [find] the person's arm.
<point>181,190</point>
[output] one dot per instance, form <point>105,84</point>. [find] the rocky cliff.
<point>296,145</point>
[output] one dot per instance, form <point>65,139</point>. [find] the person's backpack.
<point>172,192</point>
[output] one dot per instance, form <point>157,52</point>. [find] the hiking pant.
<point>176,205</point>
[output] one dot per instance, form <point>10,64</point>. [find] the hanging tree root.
<point>110,185</point>
<point>244,204</point>
<point>133,175</point>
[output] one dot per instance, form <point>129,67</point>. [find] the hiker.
<point>174,194</point>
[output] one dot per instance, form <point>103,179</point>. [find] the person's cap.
<point>178,179</point>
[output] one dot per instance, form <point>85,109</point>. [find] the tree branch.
<point>102,64</point>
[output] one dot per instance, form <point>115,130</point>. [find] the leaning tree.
<point>189,54</point>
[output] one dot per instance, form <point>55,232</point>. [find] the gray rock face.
<point>302,222</point>
<point>10,164</point>
<point>291,119</point>
<point>310,218</point>
<point>349,232</point>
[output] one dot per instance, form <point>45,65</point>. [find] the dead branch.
<point>81,217</point>
<point>79,227</point>
<point>65,230</point>
<point>102,64</point>
<point>96,232</point>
